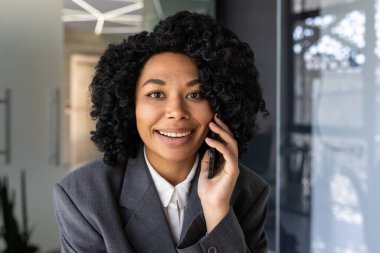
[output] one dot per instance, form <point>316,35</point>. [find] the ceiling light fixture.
<point>88,8</point>
<point>124,10</point>
<point>115,16</point>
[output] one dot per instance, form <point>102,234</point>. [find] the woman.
<point>155,98</point>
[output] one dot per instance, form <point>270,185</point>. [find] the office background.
<point>319,149</point>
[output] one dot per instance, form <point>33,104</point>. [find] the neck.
<point>173,171</point>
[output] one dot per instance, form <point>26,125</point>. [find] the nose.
<point>176,109</point>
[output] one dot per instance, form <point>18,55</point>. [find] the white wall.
<point>31,65</point>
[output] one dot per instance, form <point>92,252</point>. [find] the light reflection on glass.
<point>308,5</point>
<point>377,27</point>
<point>297,48</point>
<point>345,200</point>
<point>339,49</point>
<point>352,28</point>
<point>321,21</point>
<point>336,92</point>
<point>327,54</point>
<point>350,248</point>
<point>318,245</point>
<point>347,214</point>
<point>337,209</point>
<point>342,191</point>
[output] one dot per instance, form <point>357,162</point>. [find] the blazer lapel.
<point>194,208</point>
<point>146,227</point>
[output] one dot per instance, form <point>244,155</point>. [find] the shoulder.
<point>250,187</point>
<point>249,179</point>
<point>87,197</point>
<point>92,179</point>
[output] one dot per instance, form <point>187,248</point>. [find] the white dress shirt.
<point>173,198</point>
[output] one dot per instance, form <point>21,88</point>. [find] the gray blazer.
<point>117,210</point>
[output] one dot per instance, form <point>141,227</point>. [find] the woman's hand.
<point>215,193</point>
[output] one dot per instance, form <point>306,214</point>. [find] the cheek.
<point>205,115</point>
<point>146,115</point>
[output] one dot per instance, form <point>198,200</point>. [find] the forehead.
<point>170,63</point>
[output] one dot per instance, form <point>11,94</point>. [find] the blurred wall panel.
<point>82,149</point>
<point>255,23</point>
<point>31,66</point>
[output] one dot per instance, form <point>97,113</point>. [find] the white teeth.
<point>176,135</point>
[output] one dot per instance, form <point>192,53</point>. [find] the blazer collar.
<point>194,208</point>
<point>146,227</point>
<point>147,218</point>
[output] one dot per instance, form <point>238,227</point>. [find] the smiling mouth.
<point>175,135</point>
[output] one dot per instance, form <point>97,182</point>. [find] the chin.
<point>175,157</point>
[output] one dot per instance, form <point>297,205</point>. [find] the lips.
<point>174,137</point>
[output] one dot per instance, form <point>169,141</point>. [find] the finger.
<point>227,162</point>
<point>225,137</point>
<point>205,162</point>
<point>228,155</point>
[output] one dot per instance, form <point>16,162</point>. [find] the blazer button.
<point>212,249</point>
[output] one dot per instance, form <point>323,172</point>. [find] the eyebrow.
<point>161,82</point>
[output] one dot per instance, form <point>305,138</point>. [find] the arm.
<point>224,233</point>
<point>253,223</point>
<point>77,234</point>
<point>229,235</point>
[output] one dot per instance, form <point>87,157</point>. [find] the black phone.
<point>214,156</point>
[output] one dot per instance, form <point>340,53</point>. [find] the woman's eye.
<point>156,94</point>
<point>195,95</point>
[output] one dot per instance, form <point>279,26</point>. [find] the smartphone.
<point>214,156</point>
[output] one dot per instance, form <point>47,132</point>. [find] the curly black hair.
<point>227,73</point>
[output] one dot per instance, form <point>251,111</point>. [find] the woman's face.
<point>172,117</point>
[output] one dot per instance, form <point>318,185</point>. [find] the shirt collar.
<point>166,190</point>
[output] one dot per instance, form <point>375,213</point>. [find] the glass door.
<point>330,164</point>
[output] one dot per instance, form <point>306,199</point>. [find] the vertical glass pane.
<point>332,143</point>
<point>300,6</point>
